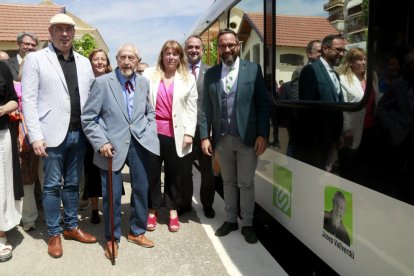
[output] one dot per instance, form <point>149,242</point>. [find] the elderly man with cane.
<point>120,125</point>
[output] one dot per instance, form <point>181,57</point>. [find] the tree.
<point>212,52</point>
<point>85,45</point>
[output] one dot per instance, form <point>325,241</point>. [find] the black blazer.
<point>317,127</point>
<point>14,67</point>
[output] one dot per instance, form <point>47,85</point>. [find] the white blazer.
<point>45,95</point>
<point>184,107</point>
<point>353,93</point>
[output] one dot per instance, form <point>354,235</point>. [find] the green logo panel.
<point>282,189</point>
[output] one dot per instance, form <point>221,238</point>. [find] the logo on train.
<point>282,189</point>
<point>337,219</point>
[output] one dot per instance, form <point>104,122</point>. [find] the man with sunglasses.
<point>26,42</point>
<point>317,131</point>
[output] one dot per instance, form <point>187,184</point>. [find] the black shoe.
<point>95,219</point>
<point>275,144</point>
<point>226,228</point>
<point>184,210</point>
<point>249,234</point>
<point>209,212</point>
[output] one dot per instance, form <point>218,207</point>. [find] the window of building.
<point>291,59</point>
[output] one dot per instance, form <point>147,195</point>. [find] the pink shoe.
<point>152,222</point>
<point>174,225</point>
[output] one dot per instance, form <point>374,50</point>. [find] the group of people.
<point>346,143</point>
<point>81,115</point>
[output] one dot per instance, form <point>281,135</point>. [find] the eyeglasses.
<point>140,71</point>
<point>225,46</point>
<point>29,44</point>
<point>338,50</point>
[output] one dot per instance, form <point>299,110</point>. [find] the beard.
<point>229,59</point>
<point>127,72</point>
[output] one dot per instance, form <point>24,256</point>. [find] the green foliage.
<point>211,53</point>
<point>85,45</point>
<point>365,6</point>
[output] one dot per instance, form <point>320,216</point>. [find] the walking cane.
<point>111,210</point>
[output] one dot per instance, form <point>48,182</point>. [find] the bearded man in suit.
<point>236,109</point>
<point>317,131</point>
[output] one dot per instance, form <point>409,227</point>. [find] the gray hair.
<point>132,47</point>
<point>21,35</point>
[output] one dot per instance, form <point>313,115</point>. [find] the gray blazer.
<point>105,119</point>
<point>46,101</point>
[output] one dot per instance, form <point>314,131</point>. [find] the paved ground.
<point>194,250</point>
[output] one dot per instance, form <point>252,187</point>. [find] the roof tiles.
<point>16,18</point>
<point>294,31</point>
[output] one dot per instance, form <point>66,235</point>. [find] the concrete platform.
<point>194,250</point>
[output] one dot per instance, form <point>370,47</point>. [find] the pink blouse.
<point>163,110</point>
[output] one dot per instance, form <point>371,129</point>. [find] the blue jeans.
<point>137,161</point>
<point>63,164</point>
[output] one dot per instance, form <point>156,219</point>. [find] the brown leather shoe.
<point>141,240</point>
<point>79,235</point>
<point>54,247</point>
<point>108,250</point>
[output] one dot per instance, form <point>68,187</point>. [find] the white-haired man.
<point>127,132</point>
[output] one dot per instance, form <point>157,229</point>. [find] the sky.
<point>149,23</point>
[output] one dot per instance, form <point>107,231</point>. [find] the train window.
<point>304,31</point>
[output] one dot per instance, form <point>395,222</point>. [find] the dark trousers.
<point>173,175</point>
<point>207,188</point>
<point>93,186</point>
<point>137,161</point>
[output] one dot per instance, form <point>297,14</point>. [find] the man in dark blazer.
<point>26,42</point>
<point>317,131</point>
<point>236,110</point>
<point>194,52</point>
<point>127,132</point>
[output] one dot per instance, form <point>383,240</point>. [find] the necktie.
<point>229,82</point>
<point>193,71</point>
<point>335,80</point>
<point>128,87</point>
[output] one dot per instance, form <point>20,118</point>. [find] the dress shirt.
<point>334,76</point>
<point>197,70</point>
<point>225,69</point>
<point>128,97</point>
<point>71,76</point>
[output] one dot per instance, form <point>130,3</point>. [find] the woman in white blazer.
<point>173,95</point>
<point>358,127</point>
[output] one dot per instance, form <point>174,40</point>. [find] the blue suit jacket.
<point>106,102</point>
<point>252,103</point>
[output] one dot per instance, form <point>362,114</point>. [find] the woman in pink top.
<point>173,95</point>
